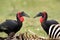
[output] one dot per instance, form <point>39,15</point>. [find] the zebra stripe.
<point>58,35</point>
<point>54,31</point>
<point>50,29</point>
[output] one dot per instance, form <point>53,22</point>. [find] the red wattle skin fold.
<point>21,19</point>
<point>41,19</point>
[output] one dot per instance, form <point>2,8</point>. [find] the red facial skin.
<point>20,17</point>
<point>43,18</point>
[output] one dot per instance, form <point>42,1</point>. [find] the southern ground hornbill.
<point>46,24</point>
<point>12,26</point>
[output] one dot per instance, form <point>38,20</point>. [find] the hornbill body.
<point>13,26</point>
<point>44,22</point>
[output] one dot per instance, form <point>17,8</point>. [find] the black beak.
<point>38,15</point>
<point>24,14</point>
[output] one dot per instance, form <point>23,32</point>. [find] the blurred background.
<point>9,8</point>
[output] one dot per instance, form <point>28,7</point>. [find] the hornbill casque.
<point>13,26</point>
<point>44,22</point>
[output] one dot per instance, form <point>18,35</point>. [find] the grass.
<point>8,9</point>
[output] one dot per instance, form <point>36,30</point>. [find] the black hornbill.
<point>13,26</point>
<point>44,22</point>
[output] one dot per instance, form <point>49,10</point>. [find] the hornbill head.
<point>21,14</point>
<point>43,16</point>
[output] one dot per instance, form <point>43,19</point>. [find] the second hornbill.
<point>13,26</point>
<point>44,22</point>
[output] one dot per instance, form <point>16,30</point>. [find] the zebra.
<point>54,31</point>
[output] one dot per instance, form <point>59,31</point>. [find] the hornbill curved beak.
<point>38,15</point>
<point>24,14</point>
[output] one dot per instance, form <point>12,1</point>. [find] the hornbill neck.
<point>18,20</point>
<point>43,19</point>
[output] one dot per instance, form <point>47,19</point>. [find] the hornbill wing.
<point>8,24</point>
<point>50,22</point>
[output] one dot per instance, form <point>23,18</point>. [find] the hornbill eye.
<point>39,14</point>
<point>24,14</point>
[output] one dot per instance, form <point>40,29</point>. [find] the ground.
<point>9,8</point>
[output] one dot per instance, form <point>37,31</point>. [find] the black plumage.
<point>10,26</point>
<point>13,26</point>
<point>44,22</point>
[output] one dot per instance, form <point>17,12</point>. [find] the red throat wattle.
<point>41,19</point>
<point>20,17</point>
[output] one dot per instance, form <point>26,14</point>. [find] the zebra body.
<point>54,31</point>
